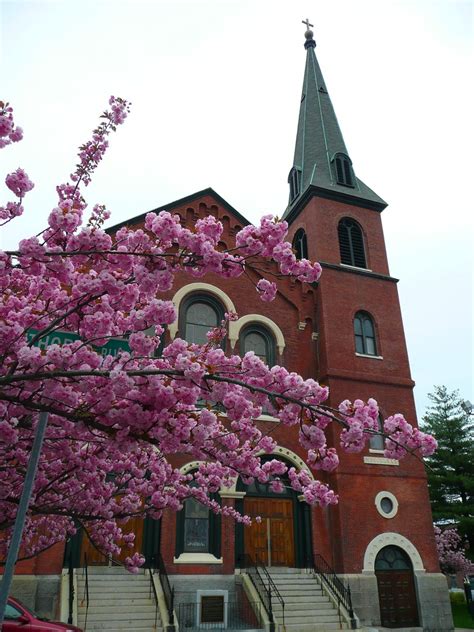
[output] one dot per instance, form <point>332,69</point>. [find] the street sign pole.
<point>17,534</point>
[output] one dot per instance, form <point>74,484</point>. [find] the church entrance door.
<point>396,585</point>
<point>96,558</point>
<point>272,539</point>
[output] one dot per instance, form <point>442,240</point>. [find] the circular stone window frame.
<point>378,504</point>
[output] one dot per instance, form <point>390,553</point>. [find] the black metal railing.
<point>235,615</point>
<point>85,597</point>
<point>151,566</point>
<point>70,572</point>
<point>265,587</point>
<point>168,590</point>
<point>341,592</point>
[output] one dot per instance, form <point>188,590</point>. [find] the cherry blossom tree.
<point>452,552</point>
<point>117,421</point>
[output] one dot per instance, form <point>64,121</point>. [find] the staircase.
<point>307,606</point>
<point>118,601</point>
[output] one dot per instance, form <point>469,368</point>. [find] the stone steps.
<point>307,607</point>
<point>118,601</point>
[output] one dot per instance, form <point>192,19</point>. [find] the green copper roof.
<point>319,139</point>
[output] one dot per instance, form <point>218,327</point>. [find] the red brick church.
<point>347,332</point>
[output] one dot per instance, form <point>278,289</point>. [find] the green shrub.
<point>457,597</point>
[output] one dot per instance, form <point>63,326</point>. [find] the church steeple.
<point>321,163</point>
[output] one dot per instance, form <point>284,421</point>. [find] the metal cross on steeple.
<point>308,25</point>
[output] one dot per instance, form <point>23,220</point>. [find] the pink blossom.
<point>19,182</point>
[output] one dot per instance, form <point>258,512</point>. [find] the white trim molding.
<point>286,453</point>
<point>378,503</point>
<point>197,558</point>
<point>199,287</point>
<point>391,539</point>
<point>380,460</point>
<point>237,325</point>
<point>367,355</point>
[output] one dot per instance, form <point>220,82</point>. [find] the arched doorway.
<point>396,585</point>
<point>283,535</point>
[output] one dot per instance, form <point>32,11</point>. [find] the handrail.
<point>151,566</point>
<point>71,590</point>
<point>86,588</point>
<point>264,585</point>
<point>342,592</point>
<point>271,584</point>
<point>168,590</point>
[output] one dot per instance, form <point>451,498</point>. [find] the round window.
<point>387,504</point>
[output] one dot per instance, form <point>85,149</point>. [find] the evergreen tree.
<point>451,467</point>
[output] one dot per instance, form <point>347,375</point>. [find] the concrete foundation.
<point>38,592</point>
<point>434,607</point>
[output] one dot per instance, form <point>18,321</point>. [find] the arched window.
<point>294,180</point>
<point>364,333</point>
<point>198,529</point>
<point>351,243</point>
<point>199,314</point>
<point>300,244</point>
<point>343,170</point>
<point>259,340</point>
<point>392,558</point>
<point>377,441</point>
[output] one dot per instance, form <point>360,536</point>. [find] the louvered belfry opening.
<point>351,243</point>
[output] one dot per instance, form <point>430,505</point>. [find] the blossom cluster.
<point>18,181</point>
<point>9,132</point>
<point>452,551</point>
<point>118,421</point>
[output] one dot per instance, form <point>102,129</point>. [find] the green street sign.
<point>113,347</point>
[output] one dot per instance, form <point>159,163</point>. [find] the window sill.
<point>376,451</point>
<point>347,265</point>
<point>380,460</point>
<point>366,355</point>
<point>197,558</point>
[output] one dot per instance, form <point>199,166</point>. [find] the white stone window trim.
<point>347,265</point>
<point>199,288</point>
<point>197,558</point>
<point>236,326</point>
<point>378,503</point>
<point>367,355</point>
<point>391,539</point>
<point>380,460</point>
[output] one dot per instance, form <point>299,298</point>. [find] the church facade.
<point>347,332</point>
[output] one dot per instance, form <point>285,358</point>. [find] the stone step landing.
<point>118,601</point>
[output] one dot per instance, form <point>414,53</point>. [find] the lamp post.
<point>17,534</point>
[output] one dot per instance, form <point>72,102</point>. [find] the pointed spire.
<point>321,162</point>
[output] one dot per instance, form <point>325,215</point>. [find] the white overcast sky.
<point>215,87</point>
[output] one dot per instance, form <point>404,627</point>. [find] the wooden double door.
<point>96,558</point>
<point>272,539</point>
<point>397,598</point>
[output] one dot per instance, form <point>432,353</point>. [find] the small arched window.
<point>198,528</point>
<point>300,244</point>
<point>260,341</point>
<point>351,243</point>
<point>392,558</point>
<point>199,314</point>
<point>364,333</point>
<point>294,180</point>
<point>377,441</point>
<point>343,169</point>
